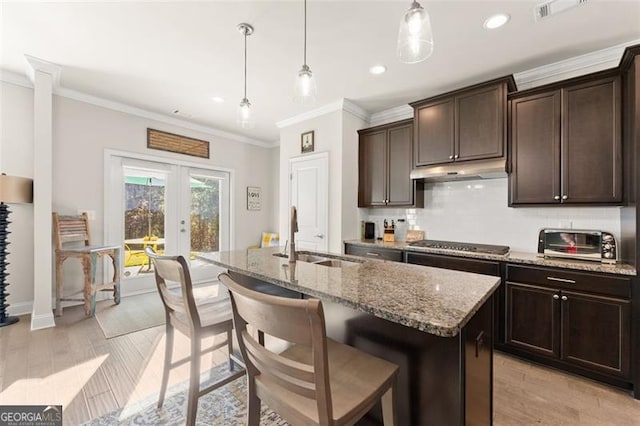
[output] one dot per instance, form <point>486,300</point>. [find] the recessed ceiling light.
<point>496,21</point>
<point>377,69</point>
<point>217,99</point>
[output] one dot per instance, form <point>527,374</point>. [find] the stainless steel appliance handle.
<point>373,254</point>
<point>562,280</point>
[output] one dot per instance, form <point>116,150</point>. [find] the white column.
<point>44,76</point>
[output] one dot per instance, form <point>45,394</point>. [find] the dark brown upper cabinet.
<point>565,143</point>
<point>385,161</point>
<point>468,124</point>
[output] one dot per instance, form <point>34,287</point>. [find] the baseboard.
<point>22,308</point>
<point>42,321</point>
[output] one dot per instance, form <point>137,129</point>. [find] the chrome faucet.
<point>292,237</point>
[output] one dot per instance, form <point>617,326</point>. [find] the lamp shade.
<point>15,189</point>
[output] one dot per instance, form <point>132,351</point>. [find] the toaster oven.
<point>597,246</point>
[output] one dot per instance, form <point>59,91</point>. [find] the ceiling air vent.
<point>552,7</point>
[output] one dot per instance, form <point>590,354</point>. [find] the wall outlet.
<point>90,213</point>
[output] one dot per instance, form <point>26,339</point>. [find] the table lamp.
<point>12,190</point>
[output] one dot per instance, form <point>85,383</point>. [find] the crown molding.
<point>390,115</point>
<point>58,90</point>
<point>37,64</point>
<point>339,105</point>
<point>572,67</point>
<point>15,78</point>
<point>139,112</point>
<point>355,110</point>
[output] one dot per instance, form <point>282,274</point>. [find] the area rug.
<point>224,406</point>
<point>142,311</point>
<point>134,313</point>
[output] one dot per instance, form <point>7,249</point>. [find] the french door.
<point>176,209</point>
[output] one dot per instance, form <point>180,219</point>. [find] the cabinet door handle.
<point>564,298</point>
<point>456,156</point>
<point>451,157</point>
<point>373,254</point>
<point>556,297</point>
<point>557,197</point>
<point>564,197</point>
<point>562,280</point>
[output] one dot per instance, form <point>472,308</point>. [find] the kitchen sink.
<point>316,259</point>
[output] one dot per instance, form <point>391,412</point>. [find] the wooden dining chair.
<point>196,319</point>
<point>318,380</point>
<point>72,240</point>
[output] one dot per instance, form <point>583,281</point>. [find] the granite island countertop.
<point>514,257</point>
<point>436,301</point>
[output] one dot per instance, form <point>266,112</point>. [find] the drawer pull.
<point>373,254</point>
<point>556,297</point>
<point>562,280</point>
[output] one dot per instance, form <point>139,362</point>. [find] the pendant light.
<point>305,87</point>
<point>244,109</point>
<point>415,38</point>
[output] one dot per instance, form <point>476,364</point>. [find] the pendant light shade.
<point>415,38</point>
<point>245,118</point>
<point>305,90</point>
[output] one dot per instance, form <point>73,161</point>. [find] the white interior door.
<point>309,192</point>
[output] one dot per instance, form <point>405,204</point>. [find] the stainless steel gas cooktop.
<point>455,245</point>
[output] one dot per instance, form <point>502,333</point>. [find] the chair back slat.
<point>298,321</point>
<point>175,269</point>
<point>70,229</point>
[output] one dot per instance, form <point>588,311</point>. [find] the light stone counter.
<point>436,301</point>
<point>512,257</point>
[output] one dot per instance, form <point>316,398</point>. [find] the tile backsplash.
<point>476,211</point>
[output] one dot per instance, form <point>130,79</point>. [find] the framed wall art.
<point>306,142</point>
<point>254,199</point>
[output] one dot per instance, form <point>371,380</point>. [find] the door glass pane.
<point>205,214</point>
<point>144,217</point>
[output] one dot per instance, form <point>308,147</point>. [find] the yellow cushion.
<point>270,239</point>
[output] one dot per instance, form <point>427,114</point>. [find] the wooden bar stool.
<point>75,229</point>
<point>318,380</point>
<point>196,319</point>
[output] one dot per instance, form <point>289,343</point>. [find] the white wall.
<point>327,138</point>
<point>16,158</point>
<point>81,133</point>
<point>335,133</point>
<point>476,211</point>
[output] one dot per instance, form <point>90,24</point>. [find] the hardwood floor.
<point>74,365</point>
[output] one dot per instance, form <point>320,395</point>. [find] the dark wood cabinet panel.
<point>596,332</point>
<point>384,166</point>
<point>466,124</point>
<point>434,132</point>
<point>535,153</point>
<point>373,169</point>
<point>374,252</point>
<point>568,152</point>
<point>456,263</point>
<point>591,142</point>
<point>532,319</point>
<point>480,123</point>
<point>400,165</point>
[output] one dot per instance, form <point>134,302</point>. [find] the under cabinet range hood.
<point>464,170</point>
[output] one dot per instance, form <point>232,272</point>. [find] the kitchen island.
<point>436,324</point>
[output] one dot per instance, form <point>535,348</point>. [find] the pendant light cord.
<point>245,63</point>
<point>305,32</point>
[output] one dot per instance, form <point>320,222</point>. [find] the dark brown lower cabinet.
<point>557,316</point>
<point>533,319</point>
<point>595,332</point>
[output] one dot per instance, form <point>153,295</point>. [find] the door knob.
<point>556,297</point>
<point>456,156</point>
<point>564,298</point>
<point>564,197</point>
<point>319,236</point>
<point>451,157</point>
<point>557,197</point>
